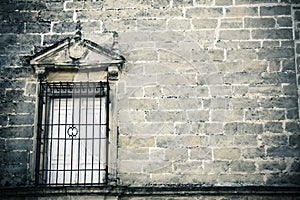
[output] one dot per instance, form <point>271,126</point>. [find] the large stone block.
<point>223,2</point>
<point>141,80</point>
<point>245,55</point>
<point>201,153</point>
<point>200,12</point>
<point>241,179</point>
<point>182,3</point>
<point>188,167</point>
<point>246,140</point>
<point>56,16</point>
<point>215,167</point>
<point>176,154</point>
<point>226,115</point>
<point>14,157</point>
<point>253,153</point>
<point>283,179</point>
<point>19,144</point>
<point>157,154</point>
<point>204,24</point>
<point>17,107</point>
<point>275,10</point>
<point>167,36</point>
<point>271,165</point>
<point>295,166</point>
<point>165,116</point>
<point>242,64</point>
<point>272,34</point>
<point>292,127</point>
<point>273,127</point>
<point>136,142</point>
<point>204,55</point>
<point>134,178</point>
<point>259,22</point>
<point>186,141</point>
<point>278,102</point>
<point>51,39</point>
<point>234,34</point>
<point>220,91</point>
<point>38,27</point>
<point>216,103</point>
<point>16,28</point>
<point>243,166</point>
<point>179,24</point>
<point>3,120</point>
<point>226,153</point>
<point>219,140</point>
<point>284,22</point>
<point>258,115</point>
<point>249,2</point>
<point>241,11</point>
<point>252,78</point>
<point>231,23</point>
<point>276,53</point>
<point>14,174</point>
<point>14,95</point>
<point>200,36</point>
<point>283,151</point>
<point>157,167</point>
<point>121,4</point>
<point>242,128</point>
<point>279,77</point>
<point>62,27</point>
<point>151,24</point>
<point>204,2</point>
<point>198,115</point>
<point>16,132</point>
<point>294,140</point>
<point>120,25</point>
<point>134,153</point>
<point>130,166</point>
<point>21,119</point>
<point>142,55</point>
<point>24,16</point>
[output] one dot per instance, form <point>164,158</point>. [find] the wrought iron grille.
<point>72,133</point>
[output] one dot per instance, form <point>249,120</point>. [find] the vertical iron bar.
<point>79,123</point>
<point>100,129</point>
<point>72,137</point>
<point>86,132</point>
<point>93,132</point>
<point>58,136</point>
<point>66,121</point>
<point>107,129</point>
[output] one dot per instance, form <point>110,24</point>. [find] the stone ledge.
<point>157,190</point>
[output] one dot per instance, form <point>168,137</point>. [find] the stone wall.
<point>208,95</point>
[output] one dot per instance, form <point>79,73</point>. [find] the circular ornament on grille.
<point>72,131</point>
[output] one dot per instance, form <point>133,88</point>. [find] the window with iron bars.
<point>72,135</point>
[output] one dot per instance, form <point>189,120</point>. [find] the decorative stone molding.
<point>75,54</point>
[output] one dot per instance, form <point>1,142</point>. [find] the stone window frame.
<point>48,68</point>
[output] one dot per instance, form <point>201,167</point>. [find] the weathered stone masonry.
<point>208,96</point>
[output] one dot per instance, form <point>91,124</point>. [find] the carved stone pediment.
<point>76,54</point>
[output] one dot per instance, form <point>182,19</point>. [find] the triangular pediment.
<point>74,53</point>
<point>77,54</point>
